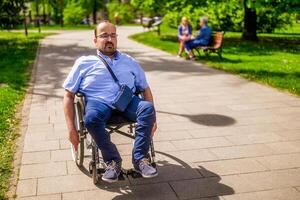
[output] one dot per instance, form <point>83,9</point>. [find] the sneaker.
<point>191,58</point>
<point>112,172</point>
<point>146,169</point>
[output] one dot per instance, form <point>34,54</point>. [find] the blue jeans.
<point>188,45</point>
<point>96,116</point>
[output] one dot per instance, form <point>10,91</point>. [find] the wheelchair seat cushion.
<point>117,119</point>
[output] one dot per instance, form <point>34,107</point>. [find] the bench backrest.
<point>217,39</point>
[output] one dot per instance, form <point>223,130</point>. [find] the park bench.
<point>152,24</point>
<point>215,45</point>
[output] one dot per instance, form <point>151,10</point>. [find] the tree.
<point>10,13</point>
<point>250,17</point>
<point>277,7</point>
<point>58,8</point>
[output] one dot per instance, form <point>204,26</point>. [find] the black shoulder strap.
<point>109,69</point>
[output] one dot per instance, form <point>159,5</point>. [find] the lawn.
<point>17,55</point>
<point>273,60</point>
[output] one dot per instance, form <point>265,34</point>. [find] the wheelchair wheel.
<point>94,163</point>
<point>79,155</point>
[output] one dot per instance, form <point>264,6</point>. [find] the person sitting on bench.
<point>91,77</point>
<point>202,39</point>
<point>184,34</point>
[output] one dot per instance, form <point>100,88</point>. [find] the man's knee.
<point>146,111</point>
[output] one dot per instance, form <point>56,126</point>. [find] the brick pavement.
<point>219,136</point>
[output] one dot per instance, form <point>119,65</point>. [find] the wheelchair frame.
<point>94,165</point>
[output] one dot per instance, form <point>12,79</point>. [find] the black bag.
<point>124,95</point>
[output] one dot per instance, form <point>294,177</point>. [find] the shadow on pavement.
<point>206,119</point>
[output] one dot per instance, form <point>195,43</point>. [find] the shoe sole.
<point>145,176</point>
<point>109,180</point>
<point>150,176</point>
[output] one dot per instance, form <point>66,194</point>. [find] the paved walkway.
<point>219,136</point>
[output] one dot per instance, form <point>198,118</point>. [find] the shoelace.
<point>144,162</point>
<point>112,165</point>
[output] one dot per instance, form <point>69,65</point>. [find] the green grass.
<point>274,60</point>
<point>17,54</point>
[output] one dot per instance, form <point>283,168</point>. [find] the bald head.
<point>102,26</point>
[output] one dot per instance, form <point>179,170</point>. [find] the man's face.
<point>201,23</point>
<point>106,38</point>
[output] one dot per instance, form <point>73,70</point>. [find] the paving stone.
<point>204,187</point>
<point>273,179</point>
<point>201,143</point>
<point>32,146</point>
<point>26,187</point>
<point>278,194</point>
<point>43,197</point>
<point>169,173</point>
<point>43,170</point>
<point>253,138</point>
<point>64,144</point>
<point>36,157</point>
<point>190,156</point>
<point>147,192</point>
<point>171,135</point>
<point>39,120</point>
<point>244,151</point>
<point>284,147</point>
<point>38,128</point>
<point>280,161</point>
<point>61,155</point>
<point>70,183</point>
<point>229,167</point>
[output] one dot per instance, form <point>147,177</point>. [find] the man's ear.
<point>95,40</point>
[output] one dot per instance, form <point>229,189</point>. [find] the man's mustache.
<point>109,43</point>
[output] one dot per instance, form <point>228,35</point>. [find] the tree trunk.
<point>95,12</point>
<point>62,13</point>
<point>44,12</point>
<point>249,30</point>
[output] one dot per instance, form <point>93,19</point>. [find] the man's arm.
<point>69,116</point>
<point>148,95</point>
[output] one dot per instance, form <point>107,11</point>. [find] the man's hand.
<point>74,138</point>
<point>153,129</point>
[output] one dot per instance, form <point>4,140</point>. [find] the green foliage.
<point>74,12</point>
<point>273,60</point>
<point>228,15</point>
<point>150,7</point>
<point>222,16</point>
<point>14,74</point>
<point>124,12</point>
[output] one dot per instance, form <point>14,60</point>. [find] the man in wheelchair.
<point>91,77</point>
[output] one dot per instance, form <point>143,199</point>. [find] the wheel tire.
<point>79,126</point>
<point>95,174</point>
<point>94,166</point>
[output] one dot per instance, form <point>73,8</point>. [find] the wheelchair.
<point>97,165</point>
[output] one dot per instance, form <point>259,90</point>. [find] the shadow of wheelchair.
<point>176,180</point>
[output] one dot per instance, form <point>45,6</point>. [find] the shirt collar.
<point>116,56</point>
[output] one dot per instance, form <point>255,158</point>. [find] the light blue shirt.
<point>90,76</point>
